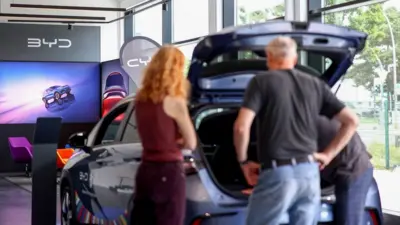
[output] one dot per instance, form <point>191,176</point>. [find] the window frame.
<point>123,129</point>
<point>99,131</point>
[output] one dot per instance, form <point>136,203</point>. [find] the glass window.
<point>149,23</point>
<point>327,3</point>
<point>131,134</point>
<point>111,132</point>
<point>109,126</point>
<point>190,19</point>
<point>256,11</point>
<point>371,86</point>
<point>187,49</point>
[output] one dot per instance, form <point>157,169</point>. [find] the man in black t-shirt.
<point>287,104</point>
<point>350,171</point>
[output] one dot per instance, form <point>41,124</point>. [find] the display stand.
<point>44,173</point>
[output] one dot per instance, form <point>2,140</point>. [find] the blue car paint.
<point>50,92</point>
<point>204,198</point>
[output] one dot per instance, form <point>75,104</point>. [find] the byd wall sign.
<point>49,43</point>
<point>135,54</point>
<point>43,42</point>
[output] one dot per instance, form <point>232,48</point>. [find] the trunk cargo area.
<point>215,129</point>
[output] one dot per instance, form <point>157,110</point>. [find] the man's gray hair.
<point>282,47</point>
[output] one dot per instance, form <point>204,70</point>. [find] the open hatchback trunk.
<point>214,128</point>
<point>218,87</point>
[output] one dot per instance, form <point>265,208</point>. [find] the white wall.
<point>130,3</point>
<point>110,33</point>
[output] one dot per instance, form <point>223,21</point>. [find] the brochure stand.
<point>44,173</point>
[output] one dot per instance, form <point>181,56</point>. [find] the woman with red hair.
<point>164,126</point>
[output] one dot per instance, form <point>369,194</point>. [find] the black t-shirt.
<point>351,161</point>
<point>287,104</point>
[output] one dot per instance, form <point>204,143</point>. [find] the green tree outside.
<point>371,20</point>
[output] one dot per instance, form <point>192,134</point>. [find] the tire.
<point>57,95</point>
<point>68,207</point>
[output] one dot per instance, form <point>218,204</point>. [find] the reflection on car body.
<point>214,192</point>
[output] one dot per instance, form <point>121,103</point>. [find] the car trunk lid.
<point>339,44</point>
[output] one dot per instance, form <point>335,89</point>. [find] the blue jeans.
<point>293,190</point>
<point>350,199</point>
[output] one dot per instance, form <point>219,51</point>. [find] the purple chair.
<point>21,151</point>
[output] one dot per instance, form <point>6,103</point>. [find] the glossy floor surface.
<point>15,203</point>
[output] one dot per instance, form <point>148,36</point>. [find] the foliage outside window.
<point>334,2</point>
<point>257,11</point>
<point>369,82</point>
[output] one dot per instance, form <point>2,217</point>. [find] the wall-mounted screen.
<point>29,90</point>
<point>116,85</point>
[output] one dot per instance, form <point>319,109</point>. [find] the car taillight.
<point>374,217</point>
<point>197,222</point>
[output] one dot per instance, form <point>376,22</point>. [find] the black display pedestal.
<point>44,172</point>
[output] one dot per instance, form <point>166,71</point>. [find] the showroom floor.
<point>15,202</point>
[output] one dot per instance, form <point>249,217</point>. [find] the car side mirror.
<point>78,140</point>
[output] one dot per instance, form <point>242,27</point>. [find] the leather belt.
<point>287,162</point>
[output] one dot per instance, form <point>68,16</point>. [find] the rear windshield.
<point>309,62</point>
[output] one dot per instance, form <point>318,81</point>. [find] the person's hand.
<point>251,170</point>
<point>247,191</point>
<point>323,159</point>
<point>180,142</point>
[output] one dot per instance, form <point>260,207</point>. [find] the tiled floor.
<point>15,203</point>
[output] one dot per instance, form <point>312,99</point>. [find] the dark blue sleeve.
<point>331,105</point>
<point>253,96</point>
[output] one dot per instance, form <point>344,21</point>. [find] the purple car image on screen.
<point>56,95</point>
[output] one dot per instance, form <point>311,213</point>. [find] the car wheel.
<point>57,95</point>
<point>68,208</point>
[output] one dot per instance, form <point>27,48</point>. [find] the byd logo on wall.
<point>42,42</point>
<point>136,62</point>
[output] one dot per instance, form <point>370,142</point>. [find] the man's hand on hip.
<point>323,159</point>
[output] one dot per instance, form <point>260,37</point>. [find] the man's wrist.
<point>243,162</point>
<point>331,153</point>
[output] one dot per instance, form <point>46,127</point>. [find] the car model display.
<point>114,91</point>
<point>97,184</point>
<point>55,94</point>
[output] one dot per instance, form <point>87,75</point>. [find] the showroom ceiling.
<point>64,11</point>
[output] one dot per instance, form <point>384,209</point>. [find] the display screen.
<point>29,90</point>
<point>116,85</point>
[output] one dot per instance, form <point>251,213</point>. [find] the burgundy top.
<point>158,132</point>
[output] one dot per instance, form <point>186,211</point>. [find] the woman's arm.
<point>178,110</point>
